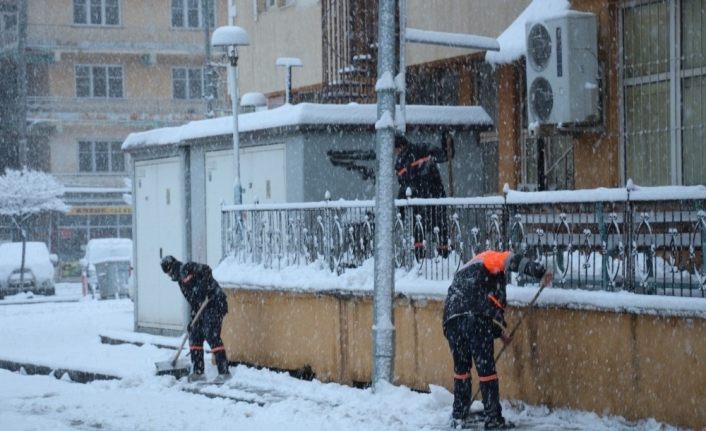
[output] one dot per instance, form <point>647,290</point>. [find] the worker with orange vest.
<point>473,318</point>
<point>416,169</point>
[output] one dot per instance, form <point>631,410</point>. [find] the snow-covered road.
<point>67,335</point>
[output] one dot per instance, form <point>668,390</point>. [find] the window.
<point>99,81</point>
<point>188,83</point>
<point>100,156</point>
<point>664,91</point>
<point>8,24</point>
<point>97,12</point>
<point>263,5</point>
<point>190,13</point>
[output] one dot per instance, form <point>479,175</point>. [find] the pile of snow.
<point>314,277</point>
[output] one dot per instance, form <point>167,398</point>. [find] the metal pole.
<point>208,70</point>
<point>233,71</point>
<point>22,84</point>
<point>383,326</point>
<point>402,121</point>
<point>288,84</point>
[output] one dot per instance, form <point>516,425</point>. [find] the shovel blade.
<point>181,368</point>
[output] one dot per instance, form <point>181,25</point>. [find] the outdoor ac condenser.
<point>562,70</point>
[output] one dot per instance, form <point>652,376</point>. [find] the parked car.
<point>39,265</point>
<point>107,267</point>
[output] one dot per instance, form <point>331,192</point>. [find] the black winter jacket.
<point>470,290</point>
<point>416,168</point>
<point>196,283</point>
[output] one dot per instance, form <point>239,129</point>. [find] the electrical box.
<point>562,70</point>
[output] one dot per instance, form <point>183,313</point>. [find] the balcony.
<point>135,111</point>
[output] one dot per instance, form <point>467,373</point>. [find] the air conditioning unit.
<point>562,70</point>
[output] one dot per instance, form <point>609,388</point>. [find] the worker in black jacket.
<point>416,168</point>
<point>473,317</point>
<point>197,285</point>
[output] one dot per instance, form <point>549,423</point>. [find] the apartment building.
<point>96,71</point>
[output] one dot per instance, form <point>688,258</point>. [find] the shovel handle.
<point>546,281</point>
<point>186,334</point>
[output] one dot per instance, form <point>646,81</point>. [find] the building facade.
<point>649,92</point>
<point>97,70</point>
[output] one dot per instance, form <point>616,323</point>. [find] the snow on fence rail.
<point>646,239</point>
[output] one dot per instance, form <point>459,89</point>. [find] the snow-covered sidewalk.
<point>67,335</point>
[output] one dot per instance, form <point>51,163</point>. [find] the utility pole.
<point>384,276</point>
<point>22,83</point>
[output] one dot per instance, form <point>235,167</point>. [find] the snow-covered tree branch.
<point>25,193</point>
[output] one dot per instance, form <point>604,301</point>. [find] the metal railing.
<point>607,239</point>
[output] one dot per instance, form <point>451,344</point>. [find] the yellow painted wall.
<point>633,365</point>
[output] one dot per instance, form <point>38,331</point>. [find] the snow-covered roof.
<point>601,194</point>
<point>512,41</point>
<point>307,114</point>
<point>100,250</point>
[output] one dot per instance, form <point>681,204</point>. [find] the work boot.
<point>462,399</point>
<point>222,378</point>
<point>221,362</point>
<point>196,377</point>
<point>498,423</point>
<point>197,361</point>
<point>491,403</point>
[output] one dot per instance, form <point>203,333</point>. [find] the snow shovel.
<point>175,367</point>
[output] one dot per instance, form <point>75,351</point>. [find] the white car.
<point>38,274</point>
<point>107,267</point>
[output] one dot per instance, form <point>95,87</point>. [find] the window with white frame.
<point>664,91</point>
<point>188,82</point>
<point>100,156</point>
<point>191,13</point>
<point>264,5</point>
<point>99,81</point>
<point>97,12</point>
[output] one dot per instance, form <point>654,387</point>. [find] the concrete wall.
<point>633,365</point>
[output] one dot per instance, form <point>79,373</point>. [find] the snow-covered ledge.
<point>312,278</point>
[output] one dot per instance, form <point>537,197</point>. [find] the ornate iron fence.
<point>647,240</point>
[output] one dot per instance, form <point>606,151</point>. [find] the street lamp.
<point>230,37</point>
<point>288,62</point>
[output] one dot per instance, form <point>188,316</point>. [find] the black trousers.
<point>471,341</point>
<point>208,328</point>
<point>431,217</point>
